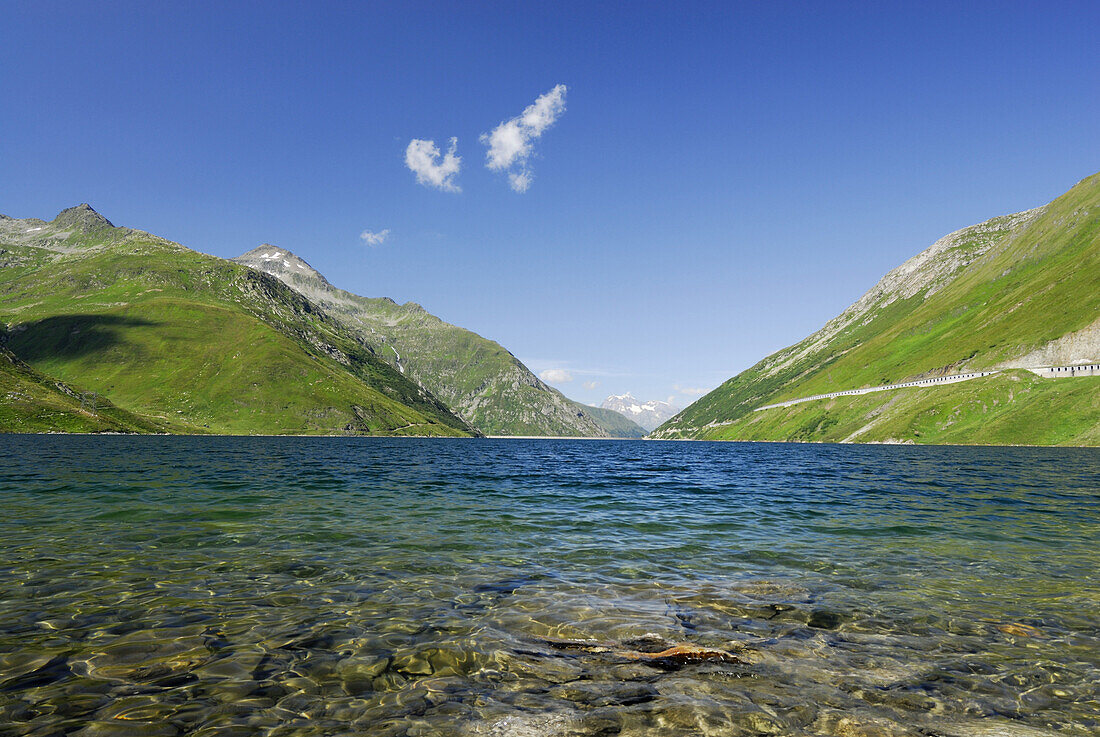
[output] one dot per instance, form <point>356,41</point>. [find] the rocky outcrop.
<point>1081,346</point>
<point>81,218</point>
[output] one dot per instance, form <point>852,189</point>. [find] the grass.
<point>30,402</point>
<point>207,368</point>
<point>1011,408</point>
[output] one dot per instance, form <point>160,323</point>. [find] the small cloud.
<point>671,399</point>
<point>538,364</point>
<point>510,143</point>
<point>421,157</point>
<point>696,391</point>
<point>520,182</point>
<point>556,376</point>
<point>375,239</point>
<point>591,384</point>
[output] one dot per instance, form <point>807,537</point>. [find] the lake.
<point>321,586</point>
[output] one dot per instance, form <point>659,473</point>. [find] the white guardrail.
<point>1048,372</point>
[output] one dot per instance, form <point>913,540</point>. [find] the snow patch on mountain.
<point>648,414</point>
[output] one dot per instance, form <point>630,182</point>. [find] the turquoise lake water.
<point>330,586</point>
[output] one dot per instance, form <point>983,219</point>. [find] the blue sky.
<point>723,179</point>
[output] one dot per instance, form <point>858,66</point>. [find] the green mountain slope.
<point>31,402</point>
<point>477,378</point>
<point>193,342</point>
<point>1016,291</point>
<point>1013,408</point>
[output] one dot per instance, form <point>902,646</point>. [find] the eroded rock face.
<point>1082,346</point>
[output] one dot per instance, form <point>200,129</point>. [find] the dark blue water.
<point>276,586</point>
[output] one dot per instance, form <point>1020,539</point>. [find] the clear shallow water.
<point>278,586</point>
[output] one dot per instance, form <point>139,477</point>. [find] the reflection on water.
<point>228,586</point>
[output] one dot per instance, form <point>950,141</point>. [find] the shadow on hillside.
<point>68,336</point>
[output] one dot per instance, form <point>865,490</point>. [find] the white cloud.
<point>591,384</point>
<point>375,239</point>
<point>506,143</point>
<point>589,372</point>
<point>556,376</point>
<point>511,142</point>
<point>421,157</point>
<point>521,181</point>
<point>697,391</point>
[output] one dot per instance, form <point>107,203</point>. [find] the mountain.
<point>1016,291</point>
<point>613,423</point>
<point>647,414</point>
<point>476,377</point>
<point>186,342</point>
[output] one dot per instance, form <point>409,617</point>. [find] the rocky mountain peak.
<point>281,263</point>
<point>82,217</point>
<point>621,397</point>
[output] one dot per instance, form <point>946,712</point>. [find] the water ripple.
<point>315,586</point>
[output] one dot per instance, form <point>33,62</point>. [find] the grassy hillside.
<point>194,342</point>
<point>987,296</point>
<point>1012,408</point>
<point>31,402</point>
<point>484,383</point>
<point>476,377</point>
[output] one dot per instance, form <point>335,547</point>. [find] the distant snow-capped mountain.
<point>647,414</point>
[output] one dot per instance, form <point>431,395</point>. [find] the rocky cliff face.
<point>1079,347</point>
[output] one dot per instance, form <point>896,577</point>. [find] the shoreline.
<point>543,437</point>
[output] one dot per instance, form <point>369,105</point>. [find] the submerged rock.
<point>681,655</point>
<point>671,657</point>
<point>824,620</point>
<point>1019,630</point>
<point>527,725</point>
